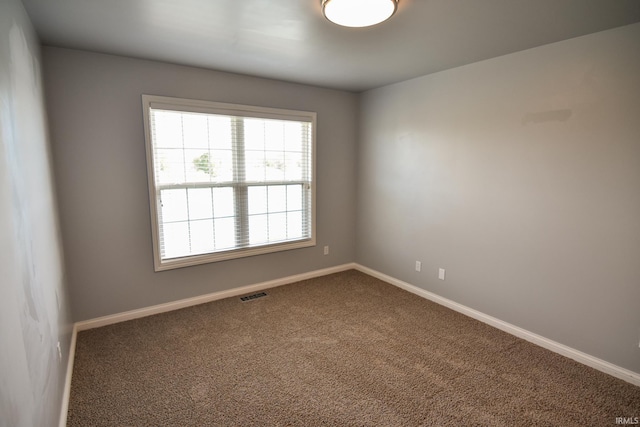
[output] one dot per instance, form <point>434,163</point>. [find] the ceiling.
<point>290,39</point>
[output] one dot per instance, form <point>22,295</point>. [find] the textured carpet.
<point>340,350</point>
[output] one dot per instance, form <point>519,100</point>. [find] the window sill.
<point>173,263</point>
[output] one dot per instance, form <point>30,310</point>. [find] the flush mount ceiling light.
<point>358,13</point>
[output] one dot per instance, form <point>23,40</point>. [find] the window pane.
<point>220,132</point>
<point>223,202</point>
<point>201,234</point>
<point>195,131</point>
<point>225,237</point>
<point>175,239</point>
<point>255,166</point>
<point>293,136</point>
<point>293,166</point>
<point>277,227</point>
<point>274,135</point>
<point>274,165</point>
<point>198,165</point>
<point>200,203</point>
<point>257,200</point>
<point>277,198</point>
<point>169,165</point>
<point>167,129</point>
<point>206,166</point>
<point>253,134</point>
<point>174,205</point>
<point>221,165</point>
<point>258,229</point>
<point>294,225</point>
<point>294,197</point>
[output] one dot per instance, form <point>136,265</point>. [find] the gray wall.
<point>33,303</point>
<point>99,154</point>
<point>520,176</point>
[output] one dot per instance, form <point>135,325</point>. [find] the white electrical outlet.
<point>326,250</point>
<point>441,273</point>
<point>418,266</point>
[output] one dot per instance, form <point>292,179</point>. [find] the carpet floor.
<point>339,350</point>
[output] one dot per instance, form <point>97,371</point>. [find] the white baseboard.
<point>578,356</point>
<point>66,393</point>
<point>188,302</point>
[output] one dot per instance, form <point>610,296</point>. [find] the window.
<point>227,181</point>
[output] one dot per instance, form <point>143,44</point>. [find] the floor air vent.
<point>254,296</point>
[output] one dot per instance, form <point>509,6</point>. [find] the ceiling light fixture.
<point>358,13</point>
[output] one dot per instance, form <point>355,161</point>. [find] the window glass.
<point>225,185</point>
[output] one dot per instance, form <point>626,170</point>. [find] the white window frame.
<point>199,106</point>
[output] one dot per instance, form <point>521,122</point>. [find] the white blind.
<point>227,182</point>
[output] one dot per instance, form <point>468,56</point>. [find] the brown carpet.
<point>340,350</point>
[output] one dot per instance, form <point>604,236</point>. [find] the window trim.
<point>191,105</point>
